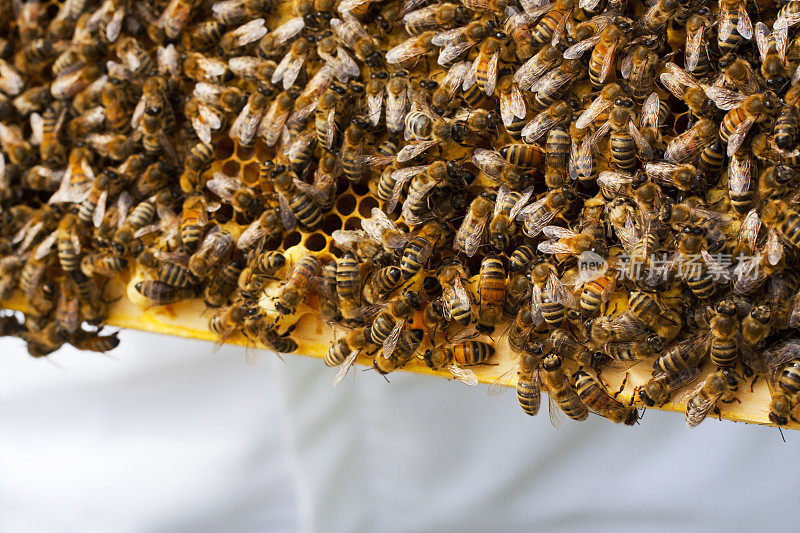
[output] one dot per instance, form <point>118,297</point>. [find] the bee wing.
<point>553,410</point>
<point>726,25</point>
<point>502,193</point>
<point>472,76</point>
<point>698,411</point>
<point>374,107</point>
<point>452,51</point>
<point>559,292</point>
<point>628,235</point>
<point>100,210</point>
<point>577,50</point>
<point>390,343</point>
<point>536,304</point>
<point>541,124</point>
<point>396,111</point>
<point>290,29</point>
<point>316,194</point>
<point>473,239</point>
<point>557,232</point>
<point>587,145</point>
<point>675,78</point>
<point>288,217</point>
<point>532,208</point>
<point>252,234</point>
<point>748,232</point>
<point>167,60</point>
<point>344,238</point>
<point>715,266</point>
<point>693,47</point>
<point>344,368</point>
<point>491,74</point>
<point>520,203</point>
<point>778,355</point>
<point>645,151</point>
<point>345,6</point>
<point>250,32</point>
<point>512,105</point>
<point>503,382</point>
<point>223,185</point>
<point>528,73</point>
<point>595,109</point>
<point>762,39</point>
<point>490,162</point>
<point>736,138</point>
<point>299,144</point>
<point>739,174</point>
<point>404,51</point>
<point>773,247</point>
<point>45,247</point>
<point>465,231</point>
<point>455,77</point>
<point>554,247</point>
<point>724,99</point>
<point>414,149</point>
<point>743,25</point>
<point>463,296</point>
<point>345,66</point>
<point>293,70</point>
<point>124,202</point>
<point>608,63</point>
<point>558,32</point>
<point>464,375</point>
<point>649,114</point>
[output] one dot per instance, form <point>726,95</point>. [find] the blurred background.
<point>163,435</point>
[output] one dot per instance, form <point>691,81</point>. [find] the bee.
<point>598,400</point>
<point>216,246</point>
<point>560,389</point>
<point>160,293</point>
<point>348,283</point>
<point>470,235</point>
<point>353,149</point>
<point>493,166</point>
<point>247,33</point>
<point>518,291</point>
<point>298,202</point>
<point>141,216</point>
<point>521,257</point>
<point>502,225</point>
<point>298,282</point>
<point>456,300</point>
<point>698,28</point>
<point>566,346</point>
<point>657,15</point>
<point>660,387</point>
<point>539,214</point>
<point>460,351</point>
<point>387,326</point>
<point>419,249</point>
<point>203,35</point>
<point>741,117</point>
<point>519,331</point>
<point>412,49</point>
<point>407,346</point>
<point>344,351</point>
<point>246,126</point>
<point>683,177</point>
<point>773,57</point>
<point>633,352</point>
<point>381,283</point>
<point>603,59</point>
<point>776,215</point>
<point>721,385</point>
<point>549,87</point>
<point>734,25</point>
<point>529,382</point>
<point>397,101</point>
<point>491,293</point>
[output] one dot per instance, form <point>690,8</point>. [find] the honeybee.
<point>344,351</point>
<point>381,283</point>
<point>534,68</point>
<point>744,113</point>
<point>406,349</point>
<point>388,325</point>
<point>687,147</point>
<point>560,390</point>
<point>201,68</point>
<point>461,350</point>
<point>732,16</point>
<point>697,57</point>
<point>539,214</point>
<point>506,207</point>
<point>381,229</point>
<point>420,248</point>
<point>298,201</point>
<point>598,400</point>
<point>298,282</point>
<point>491,293</point>
<point>397,101</point>
<point>777,215</point>
<point>470,235</point>
<point>559,113</point>
<point>772,51</point>
<point>686,88</point>
<point>721,385</point>
<point>547,88</point>
<point>494,166</point>
<point>456,300</point>
<point>160,293</point>
<point>425,126</point>
<point>217,244</point>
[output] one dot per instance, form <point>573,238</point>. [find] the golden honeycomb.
<point>354,203</point>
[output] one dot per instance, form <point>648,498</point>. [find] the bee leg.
<point>622,386</point>
<point>752,383</point>
<point>717,412</point>
<point>780,430</point>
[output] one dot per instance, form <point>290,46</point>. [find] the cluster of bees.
<point>500,141</point>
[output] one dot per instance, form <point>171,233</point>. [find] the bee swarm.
<point>595,199</point>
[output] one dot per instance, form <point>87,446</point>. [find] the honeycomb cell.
<point>346,204</point>
<point>292,239</point>
<point>316,242</point>
<point>224,147</point>
<point>331,223</point>
<point>353,223</point>
<point>250,173</point>
<point>366,205</point>
<point>245,153</point>
<point>230,167</point>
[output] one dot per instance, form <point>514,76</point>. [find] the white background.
<point>165,436</point>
